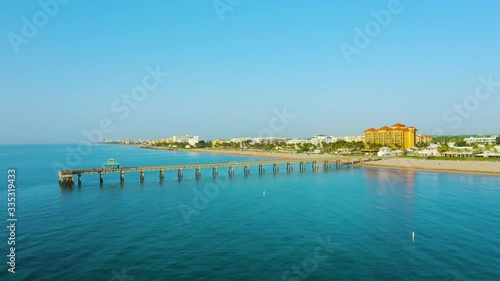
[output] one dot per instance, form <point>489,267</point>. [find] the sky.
<point>76,70</point>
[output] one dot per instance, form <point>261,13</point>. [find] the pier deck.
<point>66,176</point>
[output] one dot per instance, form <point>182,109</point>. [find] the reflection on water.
<point>388,181</point>
<point>392,194</point>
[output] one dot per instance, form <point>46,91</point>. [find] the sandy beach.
<point>262,154</point>
<point>454,166</point>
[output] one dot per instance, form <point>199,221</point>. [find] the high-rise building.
<point>192,140</point>
<point>398,136</point>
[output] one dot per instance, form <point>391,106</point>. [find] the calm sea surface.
<point>347,224</point>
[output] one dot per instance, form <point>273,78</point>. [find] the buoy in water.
<point>264,193</point>
<point>413,236</point>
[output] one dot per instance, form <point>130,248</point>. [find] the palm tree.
<point>443,148</point>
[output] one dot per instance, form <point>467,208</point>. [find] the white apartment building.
<point>491,139</point>
<point>192,140</point>
<point>298,141</point>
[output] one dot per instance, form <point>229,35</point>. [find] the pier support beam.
<point>215,172</point>
<point>162,174</point>
<point>79,179</point>
<point>289,167</point>
<point>66,180</point>
<point>326,165</point>
<point>122,176</point>
<point>142,175</point>
<point>262,169</point>
<point>230,171</point>
<point>179,174</point>
<point>246,170</point>
<point>197,173</point>
<point>101,177</point>
<point>302,166</point>
<point>315,166</point>
<point>276,169</point>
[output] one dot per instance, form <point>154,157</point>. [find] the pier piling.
<point>262,169</point>
<point>302,166</point>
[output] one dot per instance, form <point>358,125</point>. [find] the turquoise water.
<point>347,224</point>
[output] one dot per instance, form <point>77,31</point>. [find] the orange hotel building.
<point>398,136</point>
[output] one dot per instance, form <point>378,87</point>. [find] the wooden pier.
<point>66,177</point>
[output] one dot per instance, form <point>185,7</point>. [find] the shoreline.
<point>442,166</point>
<point>445,166</point>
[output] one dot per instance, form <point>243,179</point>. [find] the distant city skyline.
<point>136,71</point>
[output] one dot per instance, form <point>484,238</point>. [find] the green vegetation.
<point>335,147</point>
<point>342,145</point>
<point>201,144</point>
<point>422,144</point>
<point>446,139</point>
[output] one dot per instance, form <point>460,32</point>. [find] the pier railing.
<point>66,177</point>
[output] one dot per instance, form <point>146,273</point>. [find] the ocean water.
<point>343,224</point>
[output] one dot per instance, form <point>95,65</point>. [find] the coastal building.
<point>384,151</point>
<point>268,140</point>
<point>240,140</point>
<point>192,140</point>
<point>332,139</point>
<point>424,138</point>
<point>216,142</point>
<point>168,140</point>
<point>398,136</point>
<point>488,140</point>
<point>354,138</point>
<point>318,140</point>
<point>430,151</point>
<point>298,141</point>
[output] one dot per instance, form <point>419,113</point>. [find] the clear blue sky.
<point>226,76</point>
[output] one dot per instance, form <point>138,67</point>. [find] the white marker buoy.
<point>264,193</point>
<point>413,236</point>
